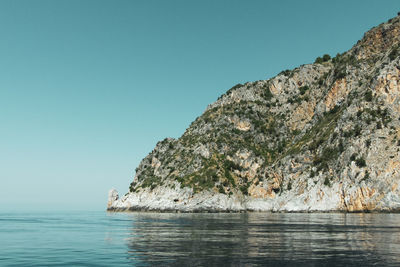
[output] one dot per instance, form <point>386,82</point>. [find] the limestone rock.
<point>320,137</point>
<point>112,197</point>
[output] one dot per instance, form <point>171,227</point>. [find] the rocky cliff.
<point>321,137</point>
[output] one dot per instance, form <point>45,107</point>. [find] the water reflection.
<point>265,239</point>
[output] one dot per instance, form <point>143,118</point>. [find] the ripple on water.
<point>123,239</point>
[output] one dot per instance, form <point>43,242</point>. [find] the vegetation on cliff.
<point>336,121</point>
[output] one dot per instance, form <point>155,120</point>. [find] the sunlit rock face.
<point>112,197</point>
<point>321,137</point>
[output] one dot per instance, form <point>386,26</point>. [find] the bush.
<point>285,72</point>
<point>294,100</point>
<point>340,74</point>
<point>357,130</point>
<point>244,189</point>
<point>230,178</point>
<point>289,186</point>
<point>366,176</point>
<point>368,96</point>
<point>360,162</point>
<point>318,60</point>
<point>281,146</point>
<point>327,182</point>
<point>328,154</point>
<point>303,89</point>
<point>326,57</point>
<point>334,110</point>
<point>230,165</point>
<point>341,146</point>
<point>394,53</point>
<point>267,94</point>
<point>368,143</point>
<point>314,145</point>
<point>221,189</point>
<point>132,187</point>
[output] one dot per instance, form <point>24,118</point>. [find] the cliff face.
<point>324,136</point>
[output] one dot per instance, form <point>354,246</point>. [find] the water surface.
<point>146,239</point>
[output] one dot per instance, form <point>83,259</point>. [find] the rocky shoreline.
<point>245,211</point>
<point>315,200</point>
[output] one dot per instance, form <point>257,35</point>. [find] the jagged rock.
<point>321,137</point>
<point>112,197</point>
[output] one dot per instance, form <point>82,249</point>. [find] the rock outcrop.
<point>321,137</point>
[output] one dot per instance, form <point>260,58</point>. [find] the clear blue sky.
<point>87,88</point>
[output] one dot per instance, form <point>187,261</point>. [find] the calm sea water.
<point>146,239</point>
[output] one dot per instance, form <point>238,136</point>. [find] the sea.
<point>199,239</point>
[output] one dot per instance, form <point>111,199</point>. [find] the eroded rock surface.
<point>321,137</point>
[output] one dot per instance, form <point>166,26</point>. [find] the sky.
<point>88,87</point>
